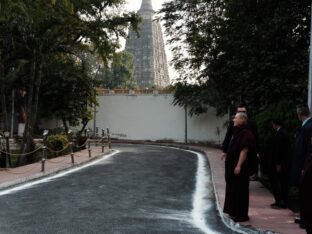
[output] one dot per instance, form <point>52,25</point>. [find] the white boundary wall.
<point>153,117</point>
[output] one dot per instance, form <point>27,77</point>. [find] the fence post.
<point>96,135</point>
<point>103,134</point>
<point>89,149</point>
<point>109,139</point>
<point>43,159</point>
<point>7,154</point>
<point>72,153</point>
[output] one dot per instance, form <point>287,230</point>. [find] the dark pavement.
<point>23,211</point>
<point>140,190</point>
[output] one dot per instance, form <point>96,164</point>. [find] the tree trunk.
<point>4,112</point>
<point>27,137</point>
<point>36,94</point>
<point>65,126</point>
<point>83,126</point>
<point>28,144</point>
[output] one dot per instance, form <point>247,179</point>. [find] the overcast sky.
<point>134,5</point>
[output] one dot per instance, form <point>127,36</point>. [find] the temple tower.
<point>149,50</point>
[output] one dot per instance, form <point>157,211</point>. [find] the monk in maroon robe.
<point>237,169</point>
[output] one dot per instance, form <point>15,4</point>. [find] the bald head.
<point>303,112</point>
<point>240,119</point>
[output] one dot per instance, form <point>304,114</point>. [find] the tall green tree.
<point>248,51</point>
<point>72,98</point>
<point>39,30</point>
<point>120,73</point>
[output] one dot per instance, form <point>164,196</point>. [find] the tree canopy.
<point>239,51</point>
<point>120,73</point>
<point>42,48</point>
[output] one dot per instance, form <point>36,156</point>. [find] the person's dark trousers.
<point>279,185</point>
<point>2,160</point>
<point>309,227</point>
<point>284,186</point>
<point>274,186</point>
<point>305,195</point>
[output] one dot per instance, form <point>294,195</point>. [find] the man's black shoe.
<point>278,206</point>
<point>297,219</point>
<point>241,219</point>
<point>303,225</point>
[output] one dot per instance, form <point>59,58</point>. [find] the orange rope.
<point>21,154</point>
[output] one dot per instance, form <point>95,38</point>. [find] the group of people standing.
<point>288,165</point>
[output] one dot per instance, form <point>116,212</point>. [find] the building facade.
<point>149,50</point>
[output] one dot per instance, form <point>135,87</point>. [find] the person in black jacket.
<point>279,164</point>
<point>305,196</point>
<point>302,155</point>
<point>303,145</point>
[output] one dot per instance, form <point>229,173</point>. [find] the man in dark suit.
<point>303,145</point>
<point>302,150</point>
<point>279,164</point>
<point>305,197</point>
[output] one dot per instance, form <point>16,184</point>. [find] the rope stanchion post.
<point>7,152</point>
<point>43,158</point>
<point>7,155</point>
<point>89,149</point>
<point>109,139</point>
<point>103,134</point>
<point>72,153</point>
<point>96,134</point>
<point>44,149</point>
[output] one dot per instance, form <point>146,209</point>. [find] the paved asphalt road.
<point>139,190</point>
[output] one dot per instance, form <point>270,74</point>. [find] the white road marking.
<point>203,190</point>
<point>202,204</point>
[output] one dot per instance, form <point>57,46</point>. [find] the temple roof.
<point>146,6</point>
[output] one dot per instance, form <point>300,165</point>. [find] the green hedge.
<point>57,142</point>
<point>286,111</point>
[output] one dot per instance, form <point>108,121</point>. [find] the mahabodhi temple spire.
<point>149,50</point>
<point>147,6</point>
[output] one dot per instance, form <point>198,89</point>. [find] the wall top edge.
<point>135,95</point>
<point>105,92</point>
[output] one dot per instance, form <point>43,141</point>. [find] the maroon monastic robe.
<point>237,186</point>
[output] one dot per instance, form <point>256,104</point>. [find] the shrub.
<point>286,111</point>
<point>80,141</point>
<point>58,142</point>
